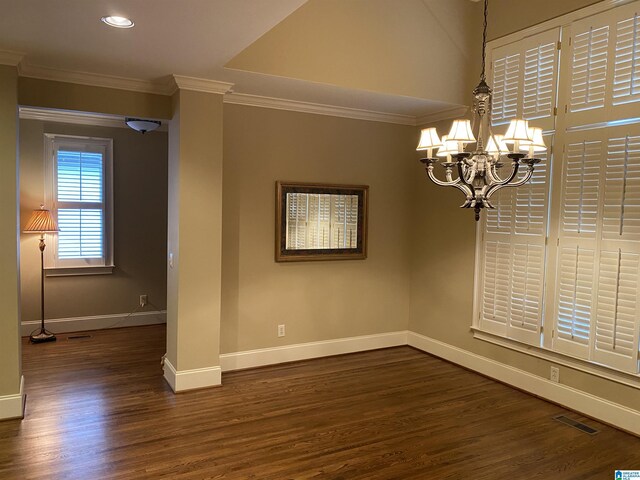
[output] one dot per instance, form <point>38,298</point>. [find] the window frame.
<point>66,267</point>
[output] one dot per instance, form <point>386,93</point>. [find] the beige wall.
<point>315,300</point>
<point>10,361</point>
<point>140,226</point>
<point>35,92</point>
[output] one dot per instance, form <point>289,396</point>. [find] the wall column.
<point>194,236</point>
<point>11,390</point>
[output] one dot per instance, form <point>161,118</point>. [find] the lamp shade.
<point>461,132</point>
<point>429,139</point>
<point>518,131</point>
<point>537,143</point>
<point>41,221</point>
<point>449,147</point>
<point>496,146</point>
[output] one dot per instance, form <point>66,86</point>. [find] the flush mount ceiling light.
<point>118,22</point>
<point>478,170</point>
<point>141,125</point>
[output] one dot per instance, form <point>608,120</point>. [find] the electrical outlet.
<point>555,374</point>
<point>281,330</point>
<point>143,300</point>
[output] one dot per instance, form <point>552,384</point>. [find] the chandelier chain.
<point>483,76</point>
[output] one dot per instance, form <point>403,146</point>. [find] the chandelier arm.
<point>493,174</point>
<point>454,183</point>
<point>514,171</point>
<point>462,178</point>
<point>519,183</point>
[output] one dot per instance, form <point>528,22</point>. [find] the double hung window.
<point>79,193</point>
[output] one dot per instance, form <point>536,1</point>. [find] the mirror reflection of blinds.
<point>321,221</point>
<point>80,184</point>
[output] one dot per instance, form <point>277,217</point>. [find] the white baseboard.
<point>12,406</point>
<point>303,351</point>
<point>96,322</point>
<point>609,412</point>
<point>184,380</point>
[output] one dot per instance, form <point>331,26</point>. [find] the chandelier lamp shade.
<point>41,221</point>
<point>476,170</point>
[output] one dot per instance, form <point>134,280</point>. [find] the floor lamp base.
<point>42,336</point>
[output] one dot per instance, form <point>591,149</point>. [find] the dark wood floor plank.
<point>98,408</point>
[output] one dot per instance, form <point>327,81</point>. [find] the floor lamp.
<point>41,222</point>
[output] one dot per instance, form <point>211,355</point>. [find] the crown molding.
<point>76,118</point>
<point>317,109</point>
<point>92,79</point>
<point>12,59</point>
<point>447,114</point>
<point>200,85</point>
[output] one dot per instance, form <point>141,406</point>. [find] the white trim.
<point>12,59</point>
<point>94,79</point>
<point>183,380</point>
<point>96,322</point>
<point>317,109</point>
<point>605,372</point>
<point>601,6</point>
<point>303,351</point>
<point>12,406</point>
<point>77,118</point>
<point>201,85</point>
<point>448,114</point>
<point>612,413</point>
<point>76,271</point>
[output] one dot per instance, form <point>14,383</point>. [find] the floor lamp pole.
<point>44,335</point>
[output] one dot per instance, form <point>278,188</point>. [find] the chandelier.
<point>477,172</point>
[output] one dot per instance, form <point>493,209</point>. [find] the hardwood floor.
<point>98,408</point>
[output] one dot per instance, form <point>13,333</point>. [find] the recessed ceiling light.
<point>118,22</point>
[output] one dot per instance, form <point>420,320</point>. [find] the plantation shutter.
<point>523,78</point>
<point>598,273</point>
<point>575,288</point>
<point>616,331</point>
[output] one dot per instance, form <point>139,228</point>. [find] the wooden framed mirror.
<point>320,221</point>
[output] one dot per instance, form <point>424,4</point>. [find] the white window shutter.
<point>574,300</point>
<point>616,332</point>
<point>580,188</point>
<point>589,68</point>
<point>532,200</point>
<point>527,282</point>
<point>501,218</point>
<point>626,81</point>
<point>496,281</point>
<point>540,73</point>
<point>506,88</point>
<point>621,212</point>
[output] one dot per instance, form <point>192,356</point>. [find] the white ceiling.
<point>193,38</point>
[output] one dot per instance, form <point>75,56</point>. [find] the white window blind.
<point>80,178</point>
<point>79,191</point>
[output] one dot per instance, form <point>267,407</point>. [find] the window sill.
<point>75,271</point>
<point>628,379</point>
